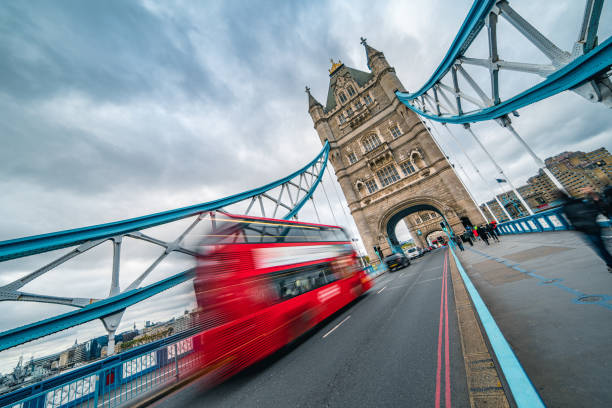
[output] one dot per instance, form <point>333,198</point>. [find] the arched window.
<point>342,97</point>
<point>370,142</point>
<point>350,90</point>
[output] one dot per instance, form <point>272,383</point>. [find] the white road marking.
<point>336,326</point>
<point>429,280</point>
<point>381,290</point>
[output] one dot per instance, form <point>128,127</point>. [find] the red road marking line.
<point>447,401</point>
<point>439,366</point>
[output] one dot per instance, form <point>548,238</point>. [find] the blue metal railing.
<point>113,381</point>
<point>551,220</point>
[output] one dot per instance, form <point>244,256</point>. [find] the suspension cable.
<point>329,203</point>
<point>338,195</point>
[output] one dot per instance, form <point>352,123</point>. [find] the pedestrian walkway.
<point>552,298</point>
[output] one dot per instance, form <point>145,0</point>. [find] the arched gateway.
<point>387,163</point>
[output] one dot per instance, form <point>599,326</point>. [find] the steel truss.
<point>585,70</point>
<point>283,198</point>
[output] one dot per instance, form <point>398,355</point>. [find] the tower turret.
<point>314,107</point>
<point>377,63</point>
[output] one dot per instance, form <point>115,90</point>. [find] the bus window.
<point>295,234</point>
<point>296,282</point>
<point>328,234</point>
<point>341,235</point>
<point>313,234</point>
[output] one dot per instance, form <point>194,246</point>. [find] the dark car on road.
<point>396,261</point>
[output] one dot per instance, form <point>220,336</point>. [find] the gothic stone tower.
<point>386,162</point>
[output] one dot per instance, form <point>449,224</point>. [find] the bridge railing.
<point>114,380</point>
<point>551,220</point>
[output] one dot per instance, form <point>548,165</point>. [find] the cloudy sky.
<point>115,109</point>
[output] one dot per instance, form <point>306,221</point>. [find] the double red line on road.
<point>443,328</point>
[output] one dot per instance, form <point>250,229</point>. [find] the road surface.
<point>381,351</point>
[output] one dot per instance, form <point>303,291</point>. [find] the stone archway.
<point>434,234</point>
<point>387,239</point>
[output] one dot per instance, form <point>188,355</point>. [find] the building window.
<point>367,100</point>
<point>371,185</point>
<point>342,97</point>
<point>349,112</point>
<point>387,175</point>
<point>358,105</point>
<point>395,132</point>
<point>350,90</point>
<point>341,118</point>
<point>371,142</point>
<point>352,158</point>
<point>407,168</point>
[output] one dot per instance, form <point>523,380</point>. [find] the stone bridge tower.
<point>386,162</point>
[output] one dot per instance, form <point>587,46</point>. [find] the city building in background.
<point>577,171</point>
<point>79,354</point>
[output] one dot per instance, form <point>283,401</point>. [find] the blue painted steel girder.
<point>96,310</point>
<point>17,248</point>
<point>573,74</point>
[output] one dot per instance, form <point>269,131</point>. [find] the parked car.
<point>396,261</point>
<point>414,252</point>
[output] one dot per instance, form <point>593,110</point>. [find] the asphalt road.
<point>380,351</point>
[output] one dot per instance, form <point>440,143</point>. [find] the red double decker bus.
<point>261,283</point>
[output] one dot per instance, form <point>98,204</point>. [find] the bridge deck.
<point>539,288</point>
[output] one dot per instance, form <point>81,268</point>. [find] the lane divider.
<point>336,326</point>
<point>524,393</point>
<point>443,328</point>
<point>446,342</point>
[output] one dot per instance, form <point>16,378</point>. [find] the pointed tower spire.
<point>311,100</point>
<point>371,53</point>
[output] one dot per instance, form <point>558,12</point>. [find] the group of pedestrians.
<point>583,213</point>
<point>484,232</point>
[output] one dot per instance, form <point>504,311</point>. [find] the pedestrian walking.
<point>491,230</point>
<point>583,216</point>
<point>467,237</point>
<point>482,231</point>
<point>458,242</point>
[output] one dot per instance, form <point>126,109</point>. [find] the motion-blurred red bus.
<point>261,283</point>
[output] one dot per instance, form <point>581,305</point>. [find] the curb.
<point>521,389</point>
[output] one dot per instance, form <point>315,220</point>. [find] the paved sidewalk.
<point>552,298</point>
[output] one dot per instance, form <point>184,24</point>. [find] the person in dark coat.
<point>467,237</point>
<point>458,242</point>
<point>482,231</point>
<point>583,216</point>
<point>492,232</point>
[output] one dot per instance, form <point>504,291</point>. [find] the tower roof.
<point>360,77</point>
